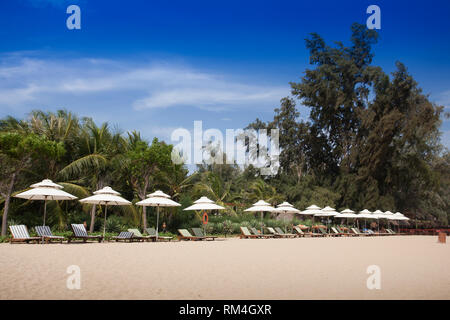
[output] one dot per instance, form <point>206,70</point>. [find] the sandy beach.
<point>412,267</point>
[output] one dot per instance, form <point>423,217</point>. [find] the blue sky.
<point>158,65</point>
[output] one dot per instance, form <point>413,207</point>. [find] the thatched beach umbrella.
<point>45,190</point>
<point>158,199</point>
<point>261,206</point>
<point>108,197</point>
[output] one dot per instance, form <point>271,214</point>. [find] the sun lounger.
<point>259,234</point>
<point>394,233</point>
<point>347,234</point>
<point>286,235</point>
<point>299,231</point>
<point>357,232</point>
<point>274,233</point>
<point>79,232</point>
<point>246,234</point>
<point>124,236</point>
<point>46,234</point>
<point>186,235</point>
<point>138,235</point>
<point>20,233</point>
<point>335,232</point>
<point>152,232</point>
<point>277,234</point>
<point>199,233</point>
<point>323,232</point>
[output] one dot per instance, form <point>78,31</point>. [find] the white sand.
<point>412,267</point>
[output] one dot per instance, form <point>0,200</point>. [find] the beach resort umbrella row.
<point>48,190</point>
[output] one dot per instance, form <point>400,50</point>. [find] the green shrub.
<point>113,224</point>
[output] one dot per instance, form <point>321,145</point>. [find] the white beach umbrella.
<point>286,207</point>
<point>311,210</point>
<point>346,214</point>
<point>204,204</point>
<point>158,199</point>
<point>378,214</point>
<point>261,206</point>
<point>398,217</point>
<point>365,214</point>
<point>326,212</point>
<point>45,190</point>
<point>108,197</point>
<point>387,215</point>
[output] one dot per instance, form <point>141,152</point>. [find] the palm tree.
<point>97,147</point>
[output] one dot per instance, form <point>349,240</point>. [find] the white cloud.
<point>25,81</point>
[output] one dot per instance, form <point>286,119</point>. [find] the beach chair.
<point>79,232</point>
<point>124,236</point>
<point>357,232</point>
<point>323,232</point>
<point>259,234</point>
<point>46,234</point>
<point>277,234</point>
<point>346,234</point>
<point>152,232</point>
<point>199,233</point>
<point>20,233</point>
<point>184,234</point>
<point>138,235</point>
<point>335,232</point>
<point>286,235</point>
<point>246,234</point>
<point>299,231</point>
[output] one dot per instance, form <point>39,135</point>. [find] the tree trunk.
<point>91,227</point>
<point>6,207</point>
<point>144,217</point>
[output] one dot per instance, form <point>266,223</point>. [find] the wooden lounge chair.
<point>335,232</point>
<point>357,232</point>
<point>299,231</point>
<point>20,233</point>
<point>138,235</point>
<point>347,234</point>
<point>46,234</point>
<point>394,233</point>
<point>198,232</point>
<point>323,232</point>
<point>286,235</point>
<point>79,232</point>
<point>124,236</point>
<point>152,232</point>
<point>259,234</point>
<point>277,234</point>
<point>246,234</point>
<point>186,235</point>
